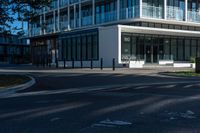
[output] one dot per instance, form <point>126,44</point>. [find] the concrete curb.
<point>14,89</point>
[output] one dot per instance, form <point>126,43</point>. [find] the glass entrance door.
<point>151,53</point>
<point>155,54</point>
<point>148,53</point>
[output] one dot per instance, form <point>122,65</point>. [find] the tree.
<point>19,10</point>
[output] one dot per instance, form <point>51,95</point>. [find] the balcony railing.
<point>63,3</point>
<point>49,28</point>
<point>129,12</point>
<point>106,17</point>
<point>63,25</point>
<point>193,16</point>
<point>86,20</point>
<point>175,13</point>
<point>35,32</point>
<point>152,11</point>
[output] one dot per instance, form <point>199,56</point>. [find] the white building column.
<point>45,23</point>
<point>54,20</point>
<point>118,9</point>
<point>93,12</point>
<point>80,14</point>
<point>140,4</point>
<point>41,25</point>
<point>74,15</point>
<point>186,10</point>
<point>165,9</point>
<point>68,17</point>
<point>58,15</point>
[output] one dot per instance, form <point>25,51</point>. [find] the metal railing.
<point>152,11</point>
<point>193,16</point>
<point>175,13</point>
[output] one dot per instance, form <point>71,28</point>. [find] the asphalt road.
<point>103,103</point>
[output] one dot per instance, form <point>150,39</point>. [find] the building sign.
<point>127,39</point>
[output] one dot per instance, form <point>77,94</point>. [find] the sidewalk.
<point>53,69</point>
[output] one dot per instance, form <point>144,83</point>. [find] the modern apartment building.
<point>134,32</point>
<point>13,49</point>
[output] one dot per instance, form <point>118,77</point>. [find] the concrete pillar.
<point>41,25</point>
<point>140,8</point>
<point>54,20</point>
<point>80,14</point>
<point>44,17</point>
<point>74,15</point>
<point>68,17</point>
<point>186,10</point>
<point>118,10</point>
<point>93,12</point>
<point>165,9</point>
<point>58,15</point>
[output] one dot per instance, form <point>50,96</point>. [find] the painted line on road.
<point>90,89</point>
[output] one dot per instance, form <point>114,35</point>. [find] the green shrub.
<point>192,59</point>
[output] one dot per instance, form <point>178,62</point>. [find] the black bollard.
<point>37,62</point>
<point>81,63</point>
<point>64,63</point>
<point>73,63</point>
<point>56,63</point>
<point>113,64</point>
<point>43,62</point>
<point>101,63</point>
<point>91,64</point>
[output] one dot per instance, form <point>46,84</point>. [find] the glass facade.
<point>72,14</point>
<point>153,48</point>
<point>79,47</point>
<point>66,14</point>
<point>153,8</point>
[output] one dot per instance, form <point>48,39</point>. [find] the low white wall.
<point>165,62</point>
<point>182,64</point>
<point>136,64</point>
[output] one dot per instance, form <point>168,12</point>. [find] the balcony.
<point>106,17</point>
<point>35,32</point>
<point>129,12</point>
<point>152,12</point>
<point>64,25</point>
<point>63,3</point>
<point>175,13</point>
<point>50,28</point>
<point>86,20</point>
<point>193,16</point>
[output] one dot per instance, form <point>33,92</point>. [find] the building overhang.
<point>158,31</point>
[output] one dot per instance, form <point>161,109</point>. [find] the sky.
<point>18,25</point>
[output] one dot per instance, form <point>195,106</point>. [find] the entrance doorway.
<point>151,53</point>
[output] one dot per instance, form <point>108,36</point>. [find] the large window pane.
<point>125,48</point>
<point>167,55</point>
<point>180,49</point>
<point>95,47</point>
<point>193,48</point>
<point>198,49</point>
<point>187,49</point>
<point>89,47</point>
<point>84,48</point>
<point>78,48</point>
<point>174,49</point>
<point>74,48</point>
<point>69,49</point>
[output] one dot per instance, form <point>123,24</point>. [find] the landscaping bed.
<point>184,73</point>
<point>12,80</point>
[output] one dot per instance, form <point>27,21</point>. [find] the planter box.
<point>166,62</point>
<point>136,64</point>
<point>182,65</point>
